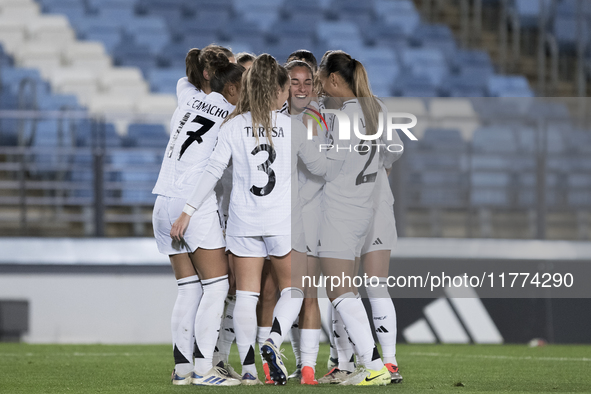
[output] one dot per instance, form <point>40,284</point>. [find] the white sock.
<point>245,327</point>
<point>227,336</point>
<point>287,309</point>
<point>333,349</point>
<point>182,322</point>
<point>262,335</point>
<point>357,325</point>
<point>294,335</point>
<point>384,319</point>
<point>343,345</point>
<point>310,344</point>
<point>208,321</point>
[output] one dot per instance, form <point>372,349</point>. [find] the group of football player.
<point>254,194</point>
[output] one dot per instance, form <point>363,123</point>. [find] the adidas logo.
<point>377,242</point>
<point>382,329</point>
<point>459,318</point>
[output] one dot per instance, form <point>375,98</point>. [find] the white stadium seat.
<point>454,114</point>
<point>79,81</point>
<point>43,56</point>
<point>18,9</point>
<point>12,33</point>
<point>157,107</point>
<point>90,54</point>
<point>55,28</point>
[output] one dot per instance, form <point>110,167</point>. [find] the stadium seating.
<point>121,59</point>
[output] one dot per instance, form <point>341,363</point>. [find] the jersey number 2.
<point>196,135</point>
<point>266,168</point>
<point>367,178</point>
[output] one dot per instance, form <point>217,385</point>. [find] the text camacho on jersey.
<point>260,203</point>
<point>195,128</point>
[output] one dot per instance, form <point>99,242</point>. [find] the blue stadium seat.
<point>146,135</point>
<point>409,85</point>
<point>165,80</point>
<point>137,171</point>
<point>244,31</point>
<point>400,13</point>
<point>71,8</point>
<point>292,43</point>
<point>426,62</point>
<point>509,86</point>
<point>448,140</point>
<point>435,36</point>
<point>529,11</point>
<point>306,10</point>
<point>494,139</point>
<point>579,190</point>
<point>340,30</point>
<point>150,31</point>
<point>130,53</point>
<point>293,29</point>
<point>442,189</point>
<point>527,189</point>
<point>89,133</point>
<point>11,77</point>
<point>464,85</point>
<point>108,32</point>
<point>489,189</point>
<point>472,62</point>
<point>5,59</point>
<point>384,35</point>
<point>565,32</point>
<point>56,102</point>
<point>210,23</point>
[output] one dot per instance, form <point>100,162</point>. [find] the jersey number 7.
<point>206,125</point>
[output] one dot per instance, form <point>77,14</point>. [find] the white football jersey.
<point>383,192</point>
<point>312,161</point>
<point>355,183</point>
<point>304,174</point>
<point>260,203</point>
<point>195,127</point>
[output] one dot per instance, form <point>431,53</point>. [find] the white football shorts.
<point>204,231</point>
<point>343,238</point>
<point>311,223</point>
<point>382,233</point>
<point>259,246</point>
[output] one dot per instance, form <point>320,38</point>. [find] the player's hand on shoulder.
<point>179,227</point>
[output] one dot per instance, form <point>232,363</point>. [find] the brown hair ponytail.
<point>222,71</point>
<point>197,60</point>
<point>194,68</point>
<point>354,74</point>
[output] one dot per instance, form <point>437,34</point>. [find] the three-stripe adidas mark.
<point>382,329</point>
<point>214,380</point>
<point>378,242</point>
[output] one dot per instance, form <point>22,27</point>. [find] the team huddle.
<point>248,205</point>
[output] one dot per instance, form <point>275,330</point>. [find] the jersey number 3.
<point>266,168</point>
<point>196,135</point>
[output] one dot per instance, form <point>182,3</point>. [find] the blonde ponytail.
<point>259,94</point>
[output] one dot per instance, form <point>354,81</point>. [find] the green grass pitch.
<point>426,369</point>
